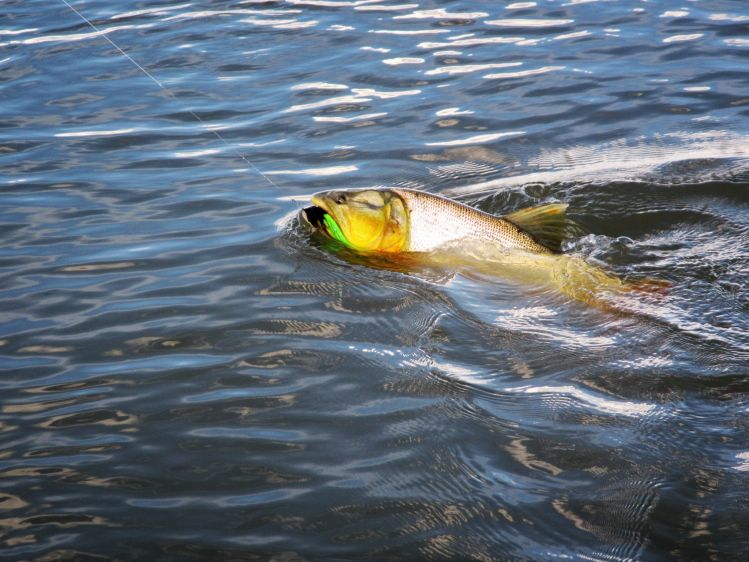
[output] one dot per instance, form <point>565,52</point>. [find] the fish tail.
<point>650,286</point>
<point>585,282</point>
<point>593,285</point>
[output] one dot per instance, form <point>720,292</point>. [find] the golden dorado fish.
<point>524,245</point>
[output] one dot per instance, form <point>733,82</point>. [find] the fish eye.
<point>341,199</point>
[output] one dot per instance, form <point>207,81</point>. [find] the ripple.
<point>599,403</point>
<point>229,394</point>
<point>523,73</point>
<point>73,37</point>
<point>737,42</point>
<point>363,117</point>
<point>466,68</point>
<point>328,171</point>
<point>683,38</point>
<point>149,11</point>
<point>360,95</point>
<point>171,340</point>
<point>624,159</point>
<point>729,17</point>
<point>674,14</point>
<point>99,133</point>
<point>572,35</point>
<point>521,22</point>
<point>402,60</point>
<point>202,14</point>
<point>477,139</point>
<point>410,31</point>
<point>318,86</point>
<point>385,7</point>
<point>440,14</point>
<point>469,42</point>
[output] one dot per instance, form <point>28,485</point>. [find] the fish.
<point>525,245</point>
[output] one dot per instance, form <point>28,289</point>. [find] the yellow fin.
<point>546,223</point>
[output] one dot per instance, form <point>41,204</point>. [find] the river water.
<point>185,375</point>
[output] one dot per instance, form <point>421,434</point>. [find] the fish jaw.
<point>317,217</point>
<point>332,219</point>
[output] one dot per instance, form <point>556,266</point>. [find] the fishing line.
<point>171,95</point>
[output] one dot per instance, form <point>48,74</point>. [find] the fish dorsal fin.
<point>546,223</point>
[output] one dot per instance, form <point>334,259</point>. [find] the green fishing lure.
<point>334,230</point>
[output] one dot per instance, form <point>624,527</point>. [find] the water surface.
<point>186,375</point>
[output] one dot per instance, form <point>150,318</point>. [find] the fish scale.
<point>435,221</point>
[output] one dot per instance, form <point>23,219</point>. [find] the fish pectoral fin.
<point>548,224</point>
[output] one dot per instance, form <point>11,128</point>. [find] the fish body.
<point>524,246</point>
<point>436,221</point>
<point>406,220</point>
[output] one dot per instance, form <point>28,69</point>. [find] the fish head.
<point>366,220</point>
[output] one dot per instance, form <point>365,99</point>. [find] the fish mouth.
<point>314,216</point>
<point>318,219</point>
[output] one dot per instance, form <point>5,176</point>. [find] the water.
<point>186,376</point>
